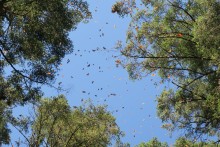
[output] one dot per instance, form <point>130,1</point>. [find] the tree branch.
<point>20,73</point>
<point>20,132</point>
<point>178,69</point>
<point>17,71</point>
<point>168,57</point>
<point>72,133</point>
<point>199,77</point>
<point>203,98</point>
<point>184,10</point>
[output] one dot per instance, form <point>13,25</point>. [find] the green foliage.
<point>33,41</point>
<point>183,142</point>
<point>56,124</point>
<point>180,142</point>
<point>4,131</point>
<point>153,143</point>
<point>179,40</point>
<point>121,144</point>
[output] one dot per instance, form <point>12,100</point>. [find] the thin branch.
<point>40,125</point>
<point>184,10</point>
<point>168,57</point>
<point>183,23</point>
<point>199,77</point>
<point>178,69</point>
<point>172,54</point>
<point>175,37</point>
<point>51,128</point>
<point>20,73</point>
<point>73,133</point>
<point>174,33</point>
<point>17,71</point>
<point>20,132</point>
<point>203,98</point>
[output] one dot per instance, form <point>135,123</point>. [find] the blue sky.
<point>93,74</point>
<point>134,105</point>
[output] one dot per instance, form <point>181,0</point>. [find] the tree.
<point>153,143</point>
<point>180,142</point>
<point>121,144</point>
<point>33,41</point>
<point>4,130</point>
<point>56,124</point>
<point>179,40</point>
<point>183,142</point>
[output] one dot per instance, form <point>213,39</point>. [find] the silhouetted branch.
<point>182,87</point>
<point>184,10</point>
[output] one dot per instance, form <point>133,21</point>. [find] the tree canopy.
<point>180,142</point>
<point>55,123</point>
<point>175,39</point>
<point>33,41</point>
<point>179,41</point>
<point>153,143</point>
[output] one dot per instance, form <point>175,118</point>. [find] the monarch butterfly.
<point>118,61</point>
<point>180,35</point>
